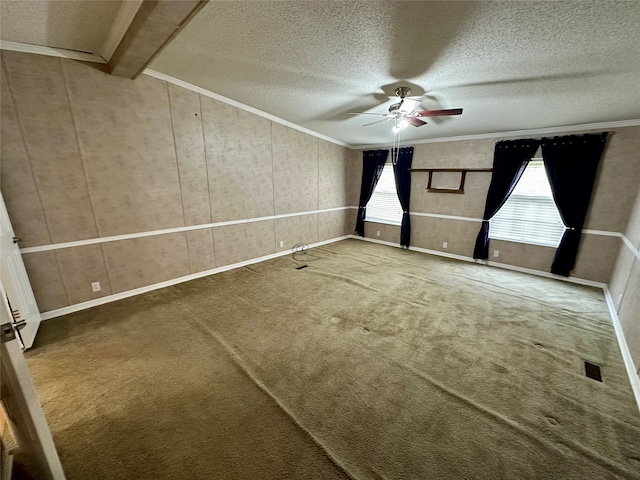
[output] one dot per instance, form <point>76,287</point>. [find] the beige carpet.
<point>371,363</point>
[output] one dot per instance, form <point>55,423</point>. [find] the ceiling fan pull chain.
<point>395,147</point>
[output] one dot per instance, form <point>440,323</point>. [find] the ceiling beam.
<point>125,16</point>
<point>153,27</point>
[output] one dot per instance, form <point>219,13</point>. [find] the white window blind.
<point>529,215</point>
<point>384,206</point>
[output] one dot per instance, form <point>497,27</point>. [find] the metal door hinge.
<point>17,239</point>
<point>7,332</point>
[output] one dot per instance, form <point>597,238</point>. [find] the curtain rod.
<point>537,137</point>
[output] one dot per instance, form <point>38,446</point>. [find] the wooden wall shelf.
<point>463,176</point>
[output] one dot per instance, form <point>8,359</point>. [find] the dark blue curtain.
<point>403,187</point>
<point>372,164</point>
<point>571,163</point>
<point>510,158</point>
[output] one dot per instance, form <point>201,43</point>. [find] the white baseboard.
<point>148,288</point>
<point>624,349</point>
<point>634,378</point>
<point>580,281</point>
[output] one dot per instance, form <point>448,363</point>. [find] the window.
<point>529,215</point>
<point>384,206</point>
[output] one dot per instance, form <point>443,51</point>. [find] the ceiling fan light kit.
<point>405,112</point>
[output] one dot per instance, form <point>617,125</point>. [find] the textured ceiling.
<point>73,25</point>
<point>510,65</point>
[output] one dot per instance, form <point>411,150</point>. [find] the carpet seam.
<point>576,447</point>
<point>235,357</point>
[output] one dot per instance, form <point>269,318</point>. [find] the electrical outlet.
<point>281,243</point>
<point>377,233</point>
<point>496,253</point>
<point>445,244</point>
<point>619,299</point>
<point>95,287</point>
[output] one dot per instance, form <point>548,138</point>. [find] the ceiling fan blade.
<point>377,121</point>
<point>439,113</point>
<point>408,105</point>
<point>416,122</point>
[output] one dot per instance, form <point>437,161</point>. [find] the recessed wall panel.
<point>239,160</point>
<point>38,89</point>
<point>430,233</point>
<point>295,230</point>
<point>144,261</point>
<point>235,243</point>
<point>470,204</point>
<point>44,276</point>
<point>355,177</point>
<point>186,119</point>
<point>295,170</point>
<point>333,181</point>
<point>617,182</point>
<point>629,314</point>
<point>526,255</point>
<point>632,231</point>
<point>124,131</point>
<point>596,258</point>
<point>336,224</point>
<point>79,268</point>
<point>621,274</point>
<point>388,233</point>
<point>17,185</point>
<point>461,154</point>
<point>201,250</point>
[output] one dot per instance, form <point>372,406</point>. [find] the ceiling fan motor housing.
<point>406,112</point>
<point>402,92</point>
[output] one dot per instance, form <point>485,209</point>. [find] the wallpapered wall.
<point>615,207</point>
<point>612,202</point>
<point>625,283</point>
<point>87,155</point>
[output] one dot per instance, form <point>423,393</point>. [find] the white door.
<point>16,282</point>
<point>27,419</point>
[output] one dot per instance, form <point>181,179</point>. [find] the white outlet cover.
<point>496,253</point>
<point>281,243</point>
<point>445,244</point>
<point>95,287</point>
<point>377,233</point>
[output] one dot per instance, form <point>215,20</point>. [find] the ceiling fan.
<point>405,113</point>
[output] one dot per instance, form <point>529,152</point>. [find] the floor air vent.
<point>592,370</point>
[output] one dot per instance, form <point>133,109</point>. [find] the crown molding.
<point>513,133</point>
<point>128,14</point>
<point>51,51</point>
<point>242,106</point>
